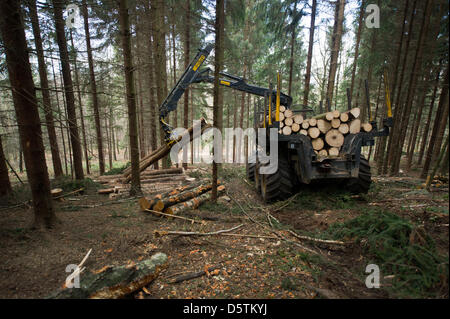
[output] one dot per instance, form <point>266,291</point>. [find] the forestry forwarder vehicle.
<point>297,161</point>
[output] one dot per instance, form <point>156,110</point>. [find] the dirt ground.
<point>275,265</point>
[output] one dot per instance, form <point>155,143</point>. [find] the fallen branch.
<point>193,275</point>
<point>160,233</point>
<point>70,193</point>
<point>323,241</point>
<point>174,216</point>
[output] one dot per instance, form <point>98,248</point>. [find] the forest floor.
<point>397,225</point>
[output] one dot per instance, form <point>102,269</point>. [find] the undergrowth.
<point>391,242</point>
<point>117,170</point>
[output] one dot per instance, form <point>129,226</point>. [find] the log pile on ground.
<point>326,131</point>
<point>152,181</point>
<point>179,199</point>
<point>113,282</point>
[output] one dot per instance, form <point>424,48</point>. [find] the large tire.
<point>362,183</point>
<point>250,169</point>
<point>280,185</point>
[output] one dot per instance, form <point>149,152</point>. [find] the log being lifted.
<point>113,282</point>
<point>164,150</point>
<point>324,116</point>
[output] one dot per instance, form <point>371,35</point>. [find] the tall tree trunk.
<point>218,106</point>
<point>337,35</point>
<point>61,126</point>
<point>151,82</point>
<point>131,95</point>
<point>69,147</point>
<point>5,184</point>
<point>416,69</point>
<point>399,50</point>
<point>48,111</point>
<point>440,123</point>
<point>358,39</point>
<point>393,137</point>
<point>159,48</point>
<point>80,106</point>
<point>310,53</point>
<point>417,122</point>
<point>68,88</point>
<point>98,128</point>
<point>291,58</point>
<point>187,49</point>
<point>25,105</point>
<point>430,114</point>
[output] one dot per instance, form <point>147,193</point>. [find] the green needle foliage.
<point>418,268</point>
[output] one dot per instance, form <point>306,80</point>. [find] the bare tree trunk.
<point>49,121</point>
<point>218,105</point>
<point>310,53</point>
<point>159,45</point>
<point>61,126</point>
<point>393,137</point>
<point>5,184</point>
<point>131,97</point>
<point>80,107</point>
<point>337,35</point>
<point>68,88</point>
<point>98,128</point>
<point>358,39</point>
<point>67,126</point>
<point>291,58</point>
<point>151,82</point>
<point>416,69</point>
<point>25,105</point>
<point>187,36</point>
<point>440,123</point>
<point>430,113</point>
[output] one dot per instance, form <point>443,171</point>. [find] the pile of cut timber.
<point>326,131</point>
<point>179,199</point>
<point>152,181</point>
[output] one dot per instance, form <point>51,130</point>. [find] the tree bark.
<point>358,39</point>
<point>310,53</point>
<point>98,128</point>
<point>416,69</point>
<point>68,89</point>
<point>25,105</point>
<point>218,105</point>
<point>131,96</point>
<point>48,111</point>
<point>187,45</point>
<point>337,35</point>
<point>5,184</point>
<point>440,123</point>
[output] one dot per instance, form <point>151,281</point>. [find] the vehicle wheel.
<point>250,171</point>
<point>280,185</point>
<point>362,183</point>
<point>257,178</point>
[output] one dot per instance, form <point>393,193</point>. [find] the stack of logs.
<point>326,131</point>
<point>179,199</point>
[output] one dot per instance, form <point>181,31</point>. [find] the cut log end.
<point>334,138</point>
